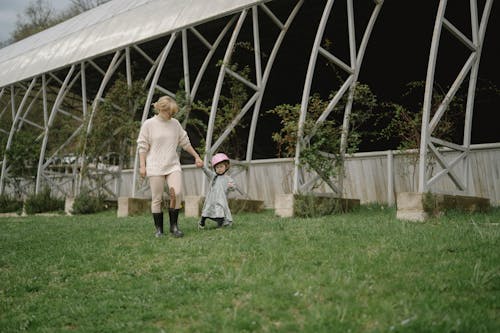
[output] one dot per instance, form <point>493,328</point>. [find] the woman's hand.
<point>199,162</point>
<point>142,171</point>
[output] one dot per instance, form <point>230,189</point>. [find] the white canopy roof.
<point>108,27</point>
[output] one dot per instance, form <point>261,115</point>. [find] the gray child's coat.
<point>216,205</point>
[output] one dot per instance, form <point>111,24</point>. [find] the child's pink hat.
<point>217,158</point>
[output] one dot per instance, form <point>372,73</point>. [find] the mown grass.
<point>363,271</point>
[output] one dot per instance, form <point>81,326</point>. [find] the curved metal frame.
<point>259,87</point>
<point>349,85</point>
<point>429,143</point>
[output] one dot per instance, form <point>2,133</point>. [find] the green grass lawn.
<point>363,271</point>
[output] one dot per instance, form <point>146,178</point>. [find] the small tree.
<point>194,116</point>
<point>22,159</point>
<point>116,123</point>
<point>325,139</point>
<point>321,152</point>
<point>43,202</point>
<point>88,203</point>
<point>8,204</point>
<point>114,128</point>
<point>38,16</point>
<point>404,121</point>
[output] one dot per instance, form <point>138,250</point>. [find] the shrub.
<point>314,205</point>
<point>86,203</point>
<point>43,202</point>
<point>9,204</point>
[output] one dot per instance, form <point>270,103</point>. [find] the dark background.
<point>397,54</point>
<point>405,27</point>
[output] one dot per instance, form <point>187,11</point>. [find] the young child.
<point>216,206</point>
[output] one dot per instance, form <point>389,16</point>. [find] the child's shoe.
<point>220,222</point>
<point>201,225</point>
<point>227,223</point>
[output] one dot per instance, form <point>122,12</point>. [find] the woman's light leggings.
<point>157,183</point>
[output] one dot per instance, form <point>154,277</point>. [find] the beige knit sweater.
<point>159,139</point>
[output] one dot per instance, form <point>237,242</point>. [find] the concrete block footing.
<point>418,207</point>
<point>283,205</point>
<point>192,205</point>
<point>289,205</point>
<point>128,206</point>
<point>68,205</point>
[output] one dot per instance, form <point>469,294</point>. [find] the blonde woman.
<point>158,140</point>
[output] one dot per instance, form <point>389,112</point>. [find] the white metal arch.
<point>236,18</point>
<point>258,87</point>
<point>356,58</point>
<point>70,80</point>
<point>262,76</point>
<point>428,143</point>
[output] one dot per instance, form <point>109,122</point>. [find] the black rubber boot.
<point>219,220</point>
<point>158,219</point>
<point>201,224</point>
<point>174,228</point>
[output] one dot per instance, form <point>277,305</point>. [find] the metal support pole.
<point>48,125</point>
<point>390,178</point>
<point>267,71</point>
<point>210,54</point>
<point>349,84</point>
<point>478,39</point>
<point>185,63</point>
<point>356,61</point>
<point>307,91</point>
<point>220,80</point>
<point>429,143</point>
<point>111,69</point>
<point>429,84</point>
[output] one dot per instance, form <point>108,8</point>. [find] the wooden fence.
<point>373,177</point>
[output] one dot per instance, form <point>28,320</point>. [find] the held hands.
<point>198,161</point>
<point>142,171</point>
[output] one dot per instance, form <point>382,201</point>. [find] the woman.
<point>157,144</point>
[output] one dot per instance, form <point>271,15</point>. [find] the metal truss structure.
<point>352,69</point>
<point>431,144</point>
<point>62,82</point>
